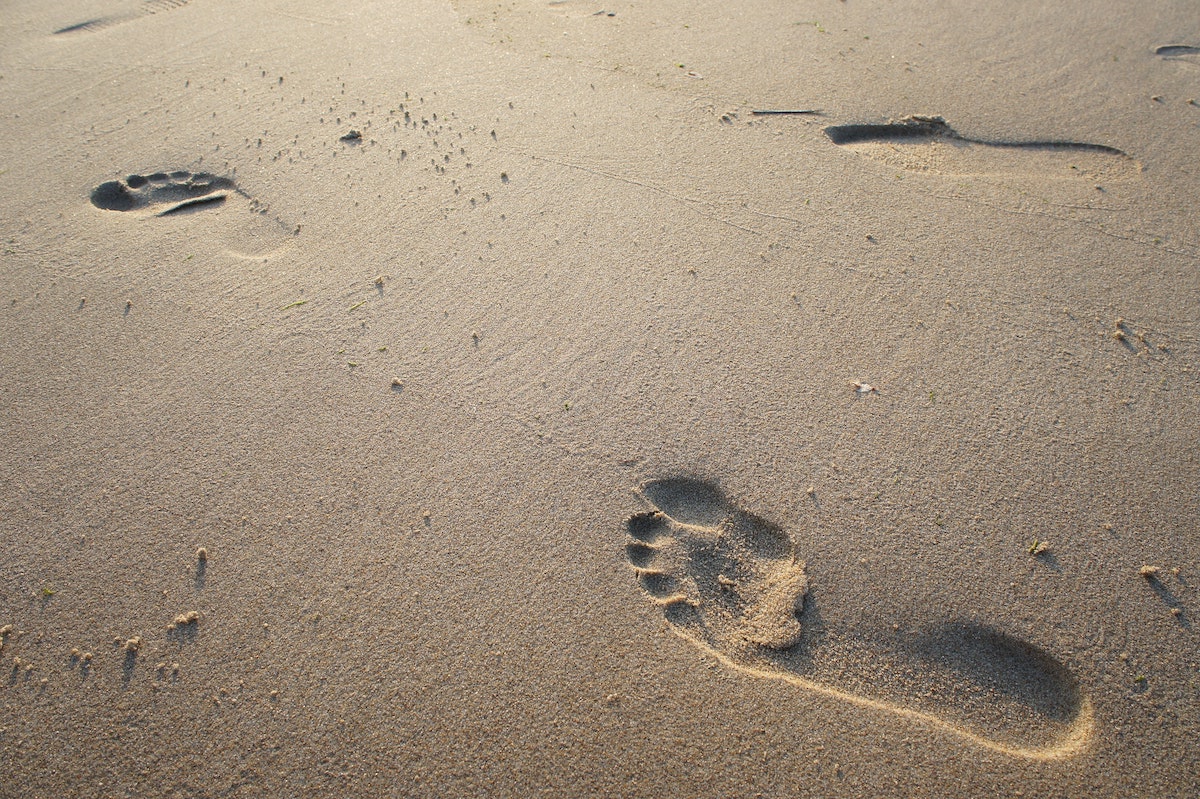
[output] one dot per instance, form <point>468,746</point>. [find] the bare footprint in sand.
<point>143,9</point>
<point>929,144</point>
<point>164,193</point>
<point>248,229</point>
<point>731,583</point>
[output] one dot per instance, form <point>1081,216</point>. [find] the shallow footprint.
<point>732,584</point>
<point>928,144</point>
<point>146,8</point>
<point>176,190</point>
<point>248,230</point>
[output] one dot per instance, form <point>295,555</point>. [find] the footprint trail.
<point>732,584</point>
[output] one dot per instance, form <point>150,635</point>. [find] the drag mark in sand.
<point>930,144</point>
<point>146,8</point>
<point>179,191</point>
<point>731,583</point>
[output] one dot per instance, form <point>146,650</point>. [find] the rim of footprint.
<point>733,584</point>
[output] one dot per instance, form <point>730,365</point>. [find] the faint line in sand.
<point>302,18</point>
<point>686,201</point>
<point>1144,242</point>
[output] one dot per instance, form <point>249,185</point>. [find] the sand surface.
<point>554,425</point>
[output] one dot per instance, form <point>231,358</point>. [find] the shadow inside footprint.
<point>176,190</point>
<point>1017,672</point>
<point>688,501</point>
<point>731,583</point>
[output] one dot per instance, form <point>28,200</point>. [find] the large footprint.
<point>731,583</point>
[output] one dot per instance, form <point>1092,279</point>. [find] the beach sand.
<point>516,413</point>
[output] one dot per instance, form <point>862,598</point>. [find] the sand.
<point>552,424</point>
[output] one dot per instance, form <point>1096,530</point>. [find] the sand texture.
<point>481,399</point>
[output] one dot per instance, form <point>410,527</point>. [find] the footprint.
<point>1176,51</point>
<point>930,144</point>
<point>248,230</point>
<point>178,191</point>
<point>732,584</point>
<point>146,8</point>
